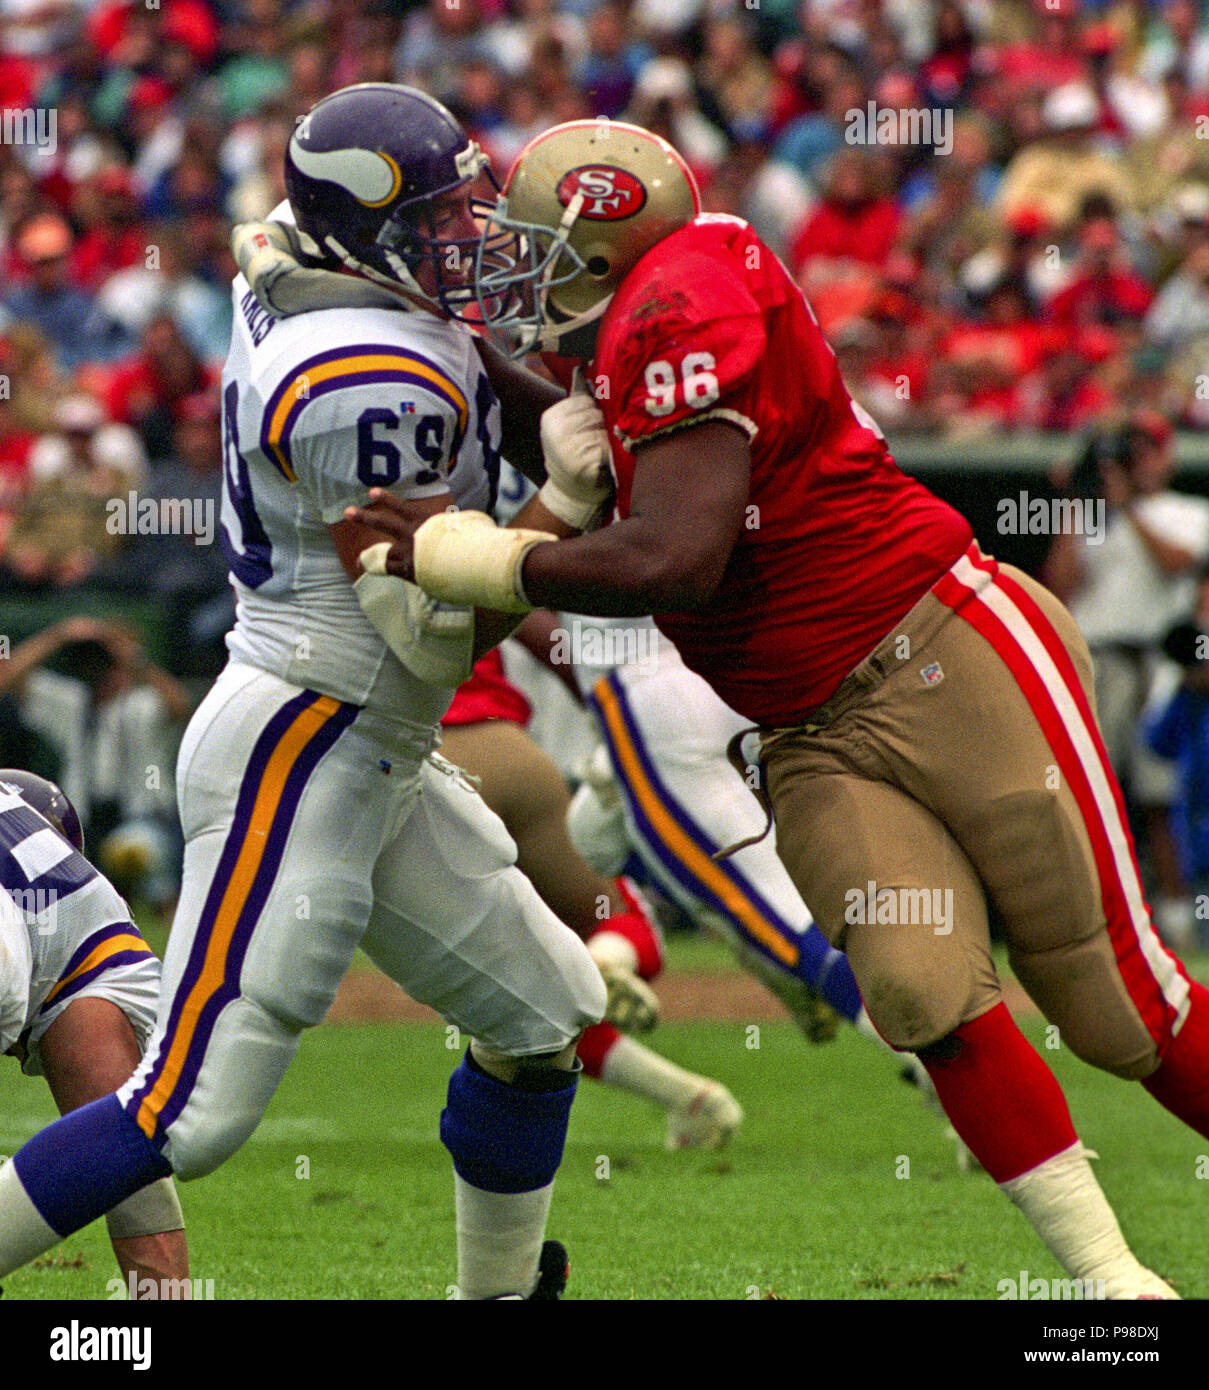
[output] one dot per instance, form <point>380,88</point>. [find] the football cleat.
<point>553,1271</point>
<point>808,1009</point>
<point>707,1122</point>
<point>1143,1285</point>
<point>633,1006</point>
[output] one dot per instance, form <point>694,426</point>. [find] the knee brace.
<point>508,1137</point>
<point>86,1163</point>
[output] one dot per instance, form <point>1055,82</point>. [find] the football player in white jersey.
<point>78,990</point>
<point>315,818</point>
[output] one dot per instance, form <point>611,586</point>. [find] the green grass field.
<point>345,1192</point>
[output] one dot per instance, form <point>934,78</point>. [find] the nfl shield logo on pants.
<point>932,674</point>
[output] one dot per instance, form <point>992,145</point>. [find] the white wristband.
<point>465,558</point>
<point>574,511</point>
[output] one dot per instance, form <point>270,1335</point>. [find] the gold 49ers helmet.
<point>584,202</point>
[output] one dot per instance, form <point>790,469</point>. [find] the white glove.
<point>464,557</point>
<point>434,640</point>
<point>575,443</point>
<point>267,254</point>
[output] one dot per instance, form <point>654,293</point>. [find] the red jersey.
<point>837,544</point>
<point>488,694</point>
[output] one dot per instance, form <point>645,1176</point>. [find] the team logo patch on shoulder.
<point>932,674</point>
<point>609,193</point>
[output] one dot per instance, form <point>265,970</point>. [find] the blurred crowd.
<point>1034,254</point>
<point>998,208</point>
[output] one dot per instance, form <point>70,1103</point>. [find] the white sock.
<point>23,1233</point>
<point>1070,1213</point>
<point>636,1068</point>
<point>499,1239</point>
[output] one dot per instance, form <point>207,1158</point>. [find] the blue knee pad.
<point>827,971</point>
<point>86,1163</point>
<point>501,1137</point>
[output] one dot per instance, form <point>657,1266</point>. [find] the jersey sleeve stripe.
<point>117,949</point>
<point>330,371</point>
<point>292,745</point>
<point>96,939</point>
<point>112,961</point>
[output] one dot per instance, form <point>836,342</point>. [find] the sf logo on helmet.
<point>609,193</point>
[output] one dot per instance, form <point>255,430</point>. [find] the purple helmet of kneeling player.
<point>48,800</point>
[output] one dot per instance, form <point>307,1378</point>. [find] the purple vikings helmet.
<point>362,170</point>
<point>48,800</point>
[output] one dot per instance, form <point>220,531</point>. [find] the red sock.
<point>1001,1097</point>
<point>1181,1083</point>
<point>639,930</point>
<point>595,1045</point>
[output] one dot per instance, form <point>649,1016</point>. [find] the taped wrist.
<point>465,558</point>
<point>152,1210</point>
<point>577,512</point>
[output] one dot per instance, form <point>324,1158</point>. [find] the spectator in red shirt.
<point>1106,289</point>
<point>146,391</point>
<point>853,222</point>
<point>115,236</point>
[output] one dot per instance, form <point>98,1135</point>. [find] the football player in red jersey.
<point>928,732</point>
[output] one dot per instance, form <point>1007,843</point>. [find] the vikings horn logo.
<point>609,193</point>
<point>372,177</point>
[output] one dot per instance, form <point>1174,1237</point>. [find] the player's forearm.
<point>622,571</point>
<point>27,657</point>
<point>522,396</point>
<point>170,690</point>
<point>490,626</point>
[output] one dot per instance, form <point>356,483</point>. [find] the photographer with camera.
<point>1126,582</point>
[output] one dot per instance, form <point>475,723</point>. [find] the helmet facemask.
<point>516,294</point>
<point>409,241</point>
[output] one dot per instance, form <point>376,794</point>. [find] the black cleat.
<point>553,1268</point>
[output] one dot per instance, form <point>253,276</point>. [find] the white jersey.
<point>70,933</point>
<point>317,409</point>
